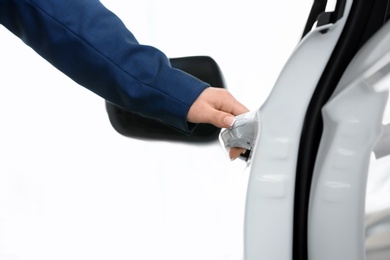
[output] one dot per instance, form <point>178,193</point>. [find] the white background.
<point>73,188</point>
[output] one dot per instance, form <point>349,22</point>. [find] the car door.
<point>281,197</point>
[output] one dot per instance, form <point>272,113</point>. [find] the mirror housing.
<point>133,125</point>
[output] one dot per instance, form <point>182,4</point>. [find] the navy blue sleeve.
<point>92,46</point>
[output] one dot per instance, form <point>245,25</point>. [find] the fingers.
<point>235,152</point>
<point>218,107</point>
<point>228,121</point>
<point>231,105</point>
<point>215,106</point>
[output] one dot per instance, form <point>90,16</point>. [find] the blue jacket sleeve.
<point>91,45</point>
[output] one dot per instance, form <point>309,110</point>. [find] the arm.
<point>92,46</point>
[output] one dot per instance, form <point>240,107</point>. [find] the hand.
<point>235,152</point>
<point>218,107</point>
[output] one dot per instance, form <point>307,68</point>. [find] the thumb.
<point>228,121</point>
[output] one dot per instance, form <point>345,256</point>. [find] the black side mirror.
<point>135,126</point>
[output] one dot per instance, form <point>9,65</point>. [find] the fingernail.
<point>229,120</point>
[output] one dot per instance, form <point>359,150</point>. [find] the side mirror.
<point>135,126</point>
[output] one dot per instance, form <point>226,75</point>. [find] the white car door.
<point>306,197</point>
